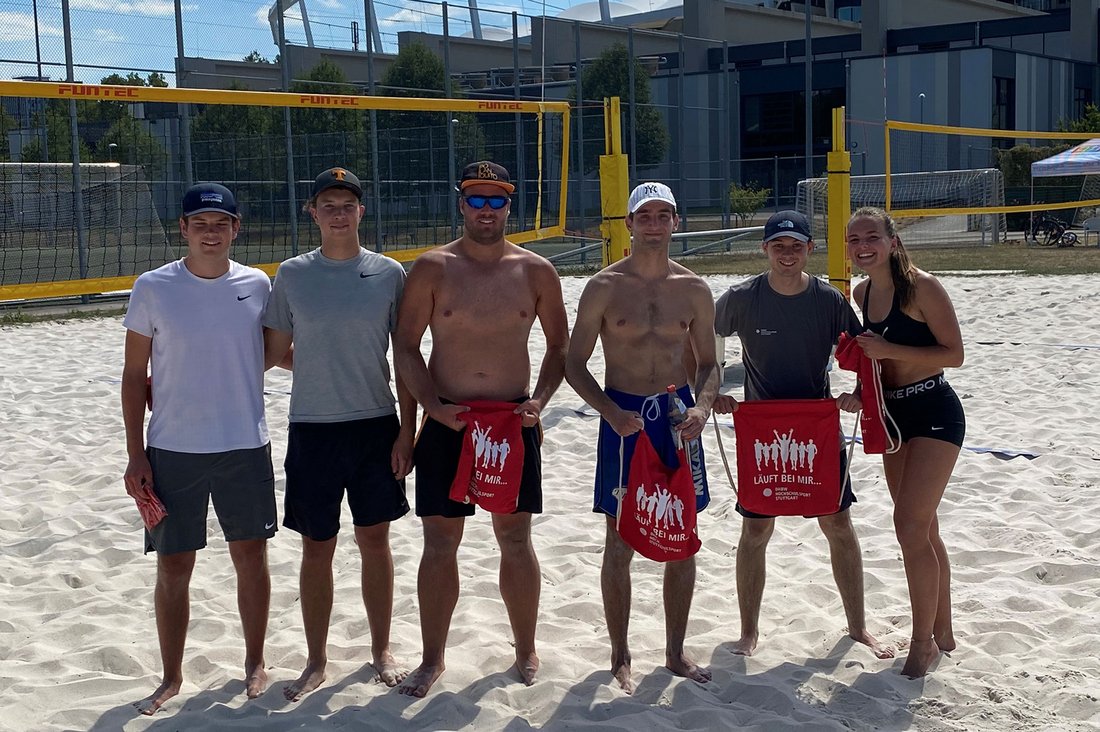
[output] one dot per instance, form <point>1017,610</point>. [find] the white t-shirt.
<point>208,356</point>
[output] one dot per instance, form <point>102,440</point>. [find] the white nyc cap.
<point>647,192</point>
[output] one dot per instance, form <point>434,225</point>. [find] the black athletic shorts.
<point>846,500</point>
<point>240,484</point>
<point>436,459</point>
<point>325,459</point>
<point>928,408</point>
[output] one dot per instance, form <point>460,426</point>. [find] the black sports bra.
<point>898,327</point>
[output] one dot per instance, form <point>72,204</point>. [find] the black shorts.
<point>436,459</point>
<point>240,484</point>
<point>323,459</point>
<point>928,408</point>
<point>846,500</point>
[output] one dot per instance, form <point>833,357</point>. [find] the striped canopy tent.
<point>1083,159</point>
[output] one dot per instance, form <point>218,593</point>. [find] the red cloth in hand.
<point>490,466</point>
<point>788,456</point>
<point>151,509</point>
<point>657,508</point>
<point>872,422</point>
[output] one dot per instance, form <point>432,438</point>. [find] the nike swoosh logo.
<point>364,274</point>
<point>936,428</point>
<point>268,526</point>
<point>242,297</point>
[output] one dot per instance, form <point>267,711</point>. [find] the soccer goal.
<point>952,206</point>
<point>91,227</point>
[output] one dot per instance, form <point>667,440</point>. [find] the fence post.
<point>376,182</point>
<point>74,132</point>
<point>184,109</point>
<point>521,169</point>
<point>681,152</point>
<point>631,101</point>
<point>724,133</point>
<point>452,173</point>
<point>292,197</point>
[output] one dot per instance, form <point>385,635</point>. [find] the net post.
<point>840,206</point>
<point>614,179</point>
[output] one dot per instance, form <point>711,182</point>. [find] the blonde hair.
<point>902,270</point>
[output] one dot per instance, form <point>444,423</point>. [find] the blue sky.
<point>116,34</point>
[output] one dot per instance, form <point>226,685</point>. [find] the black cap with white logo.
<point>788,223</point>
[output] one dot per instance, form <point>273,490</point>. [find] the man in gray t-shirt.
<point>338,306</point>
<point>788,323</point>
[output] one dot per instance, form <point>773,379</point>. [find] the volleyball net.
<point>91,176</point>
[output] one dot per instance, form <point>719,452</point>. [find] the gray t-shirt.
<point>340,314</point>
<point>786,340</point>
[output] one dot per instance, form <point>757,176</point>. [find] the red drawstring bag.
<point>657,506</point>
<point>872,422</point>
<point>788,456</point>
<point>490,466</point>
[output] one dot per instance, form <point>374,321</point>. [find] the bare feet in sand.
<point>683,666</point>
<point>946,642</point>
<point>621,672</point>
<point>870,641</point>
<point>311,678</point>
<point>527,667</point>
<point>745,645</point>
<point>922,654</point>
<point>387,671</point>
<point>150,704</point>
<point>255,680</point>
<point>421,680</point>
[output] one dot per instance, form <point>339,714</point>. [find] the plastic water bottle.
<point>677,413</point>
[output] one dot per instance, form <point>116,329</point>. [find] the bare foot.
<point>255,680</point>
<point>745,646</point>
<point>683,666</point>
<point>311,678</point>
<point>421,680</point>
<point>621,672</point>
<point>527,668</point>
<point>150,704</point>
<point>386,668</point>
<point>922,654</point>
<point>869,640</point>
<point>946,642</point>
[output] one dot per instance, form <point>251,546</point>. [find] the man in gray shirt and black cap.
<point>338,306</point>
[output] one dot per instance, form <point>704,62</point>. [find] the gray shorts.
<point>241,484</point>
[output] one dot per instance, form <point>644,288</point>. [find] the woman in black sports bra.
<point>913,333</point>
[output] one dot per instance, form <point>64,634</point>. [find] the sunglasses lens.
<point>495,202</point>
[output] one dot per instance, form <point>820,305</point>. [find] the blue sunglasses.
<point>495,202</point>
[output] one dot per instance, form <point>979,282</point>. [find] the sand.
<point>78,641</point>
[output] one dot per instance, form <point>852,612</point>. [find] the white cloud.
<point>106,35</point>
<point>330,4</point>
<point>156,8</point>
<point>407,16</point>
<point>20,27</point>
<point>261,15</point>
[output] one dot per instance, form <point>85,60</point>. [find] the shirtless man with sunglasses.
<point>480,296</point>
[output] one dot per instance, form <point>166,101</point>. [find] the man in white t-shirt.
<point>197,321</point>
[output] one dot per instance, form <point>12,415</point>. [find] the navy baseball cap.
<point>337,178</point>
<point>787,223</point>
<point>209,197</point>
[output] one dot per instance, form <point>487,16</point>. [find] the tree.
<point>6,125</point>
<point>332,136</point>
<point>422,136</point>
<point>254,57</point>
<point>745,201</point>
<point>1089,122</point>
<point>609,76</point>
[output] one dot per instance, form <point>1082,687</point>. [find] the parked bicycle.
<point>1048,231</point>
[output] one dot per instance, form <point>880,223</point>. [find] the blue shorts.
<point>654,411</point>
